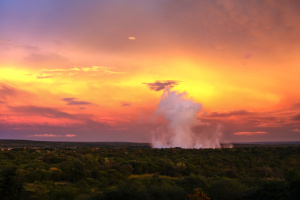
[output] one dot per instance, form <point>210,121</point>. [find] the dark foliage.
<point>145,173</point>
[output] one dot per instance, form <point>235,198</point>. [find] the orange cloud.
<point>77,69</point>
<point>51,135</point>
<point>131,38</point>
<point>249,133</point>
<point>45,135</point>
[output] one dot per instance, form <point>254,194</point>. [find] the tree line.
<point>145,173</point>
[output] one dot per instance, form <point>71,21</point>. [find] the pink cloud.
<point>297,130</point>
<point>45,135</point>
<point>249,133</point>
<point>70,135</point>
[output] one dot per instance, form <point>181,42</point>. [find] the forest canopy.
<point>145,173</point>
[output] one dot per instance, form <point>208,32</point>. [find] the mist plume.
<point>183,129</point>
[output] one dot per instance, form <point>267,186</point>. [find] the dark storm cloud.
<point>74,101</point>
<point>229,114</point>
<point>161,85</point>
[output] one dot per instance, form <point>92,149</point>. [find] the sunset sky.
<point>95,70</point>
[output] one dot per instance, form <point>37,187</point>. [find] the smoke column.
<point>181,115</point>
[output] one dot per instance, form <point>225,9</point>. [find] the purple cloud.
<point>161,85</point>
<point>125,104</point>
<point>6,90</point>
<point>296,105</point>
<point>232,113</point>
<point>296,117</point>
<point>248,56</point>
<point>42,111</point>
<point>73,101</point>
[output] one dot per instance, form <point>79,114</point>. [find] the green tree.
<point>198,194</point>
<point>10,184</point>
<point>227,189</point>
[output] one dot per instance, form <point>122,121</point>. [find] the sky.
<point>95,70</point>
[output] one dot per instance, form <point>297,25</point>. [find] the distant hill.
<point>54,144</point>
<point>267,144</point>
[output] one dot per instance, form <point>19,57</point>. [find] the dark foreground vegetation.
<point>143,173</point>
